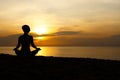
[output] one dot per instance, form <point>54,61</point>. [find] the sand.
<point>57,68</point>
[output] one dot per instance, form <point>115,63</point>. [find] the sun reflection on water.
<point>46,51</point>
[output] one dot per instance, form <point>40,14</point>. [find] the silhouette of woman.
<point>25,41</point>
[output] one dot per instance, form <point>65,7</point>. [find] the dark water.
<point>112,53</point>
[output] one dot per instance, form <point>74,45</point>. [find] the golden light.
<point>40,38</point>
<point>40,30</point>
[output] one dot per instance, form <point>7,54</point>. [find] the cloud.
<point>61,40</point>
<point>9,40</point>
<point>68,41</point>
<point>66,33</point>
<point>59,33</point>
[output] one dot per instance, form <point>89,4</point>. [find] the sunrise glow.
<point>40,38</point>
<point>40,30</point>
<point>61,22</point>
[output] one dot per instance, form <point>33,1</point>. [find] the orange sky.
<point>61,18</point>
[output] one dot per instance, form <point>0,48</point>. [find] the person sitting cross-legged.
<point>25,41</point>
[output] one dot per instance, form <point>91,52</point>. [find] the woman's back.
<point>25,41</point>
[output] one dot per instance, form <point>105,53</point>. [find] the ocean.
<point>111,53</point>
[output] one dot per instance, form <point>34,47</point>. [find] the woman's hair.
<point>26,28</point>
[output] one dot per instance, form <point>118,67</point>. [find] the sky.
<point>62,22</point>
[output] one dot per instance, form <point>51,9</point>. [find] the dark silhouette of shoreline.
<point>57,68</point>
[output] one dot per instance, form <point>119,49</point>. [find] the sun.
<point>40,30</point>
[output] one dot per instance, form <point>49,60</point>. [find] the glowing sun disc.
<point>40,30</point>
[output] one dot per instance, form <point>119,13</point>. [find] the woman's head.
<point>26,28</point>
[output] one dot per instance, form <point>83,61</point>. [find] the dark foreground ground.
<point>57,68</point>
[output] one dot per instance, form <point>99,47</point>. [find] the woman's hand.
<point>38,49</point>
<point>15,49</point>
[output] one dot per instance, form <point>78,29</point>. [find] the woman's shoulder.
<point>21,36</point>
<point>30,36</point>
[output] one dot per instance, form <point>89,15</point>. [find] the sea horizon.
<point>104,52</point>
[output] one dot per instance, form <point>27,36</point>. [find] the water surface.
<point>112,53</point>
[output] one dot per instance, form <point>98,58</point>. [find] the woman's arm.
<point>18,44</point>
<point>32,43</point>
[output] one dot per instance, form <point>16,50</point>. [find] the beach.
<point>57,68</point>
